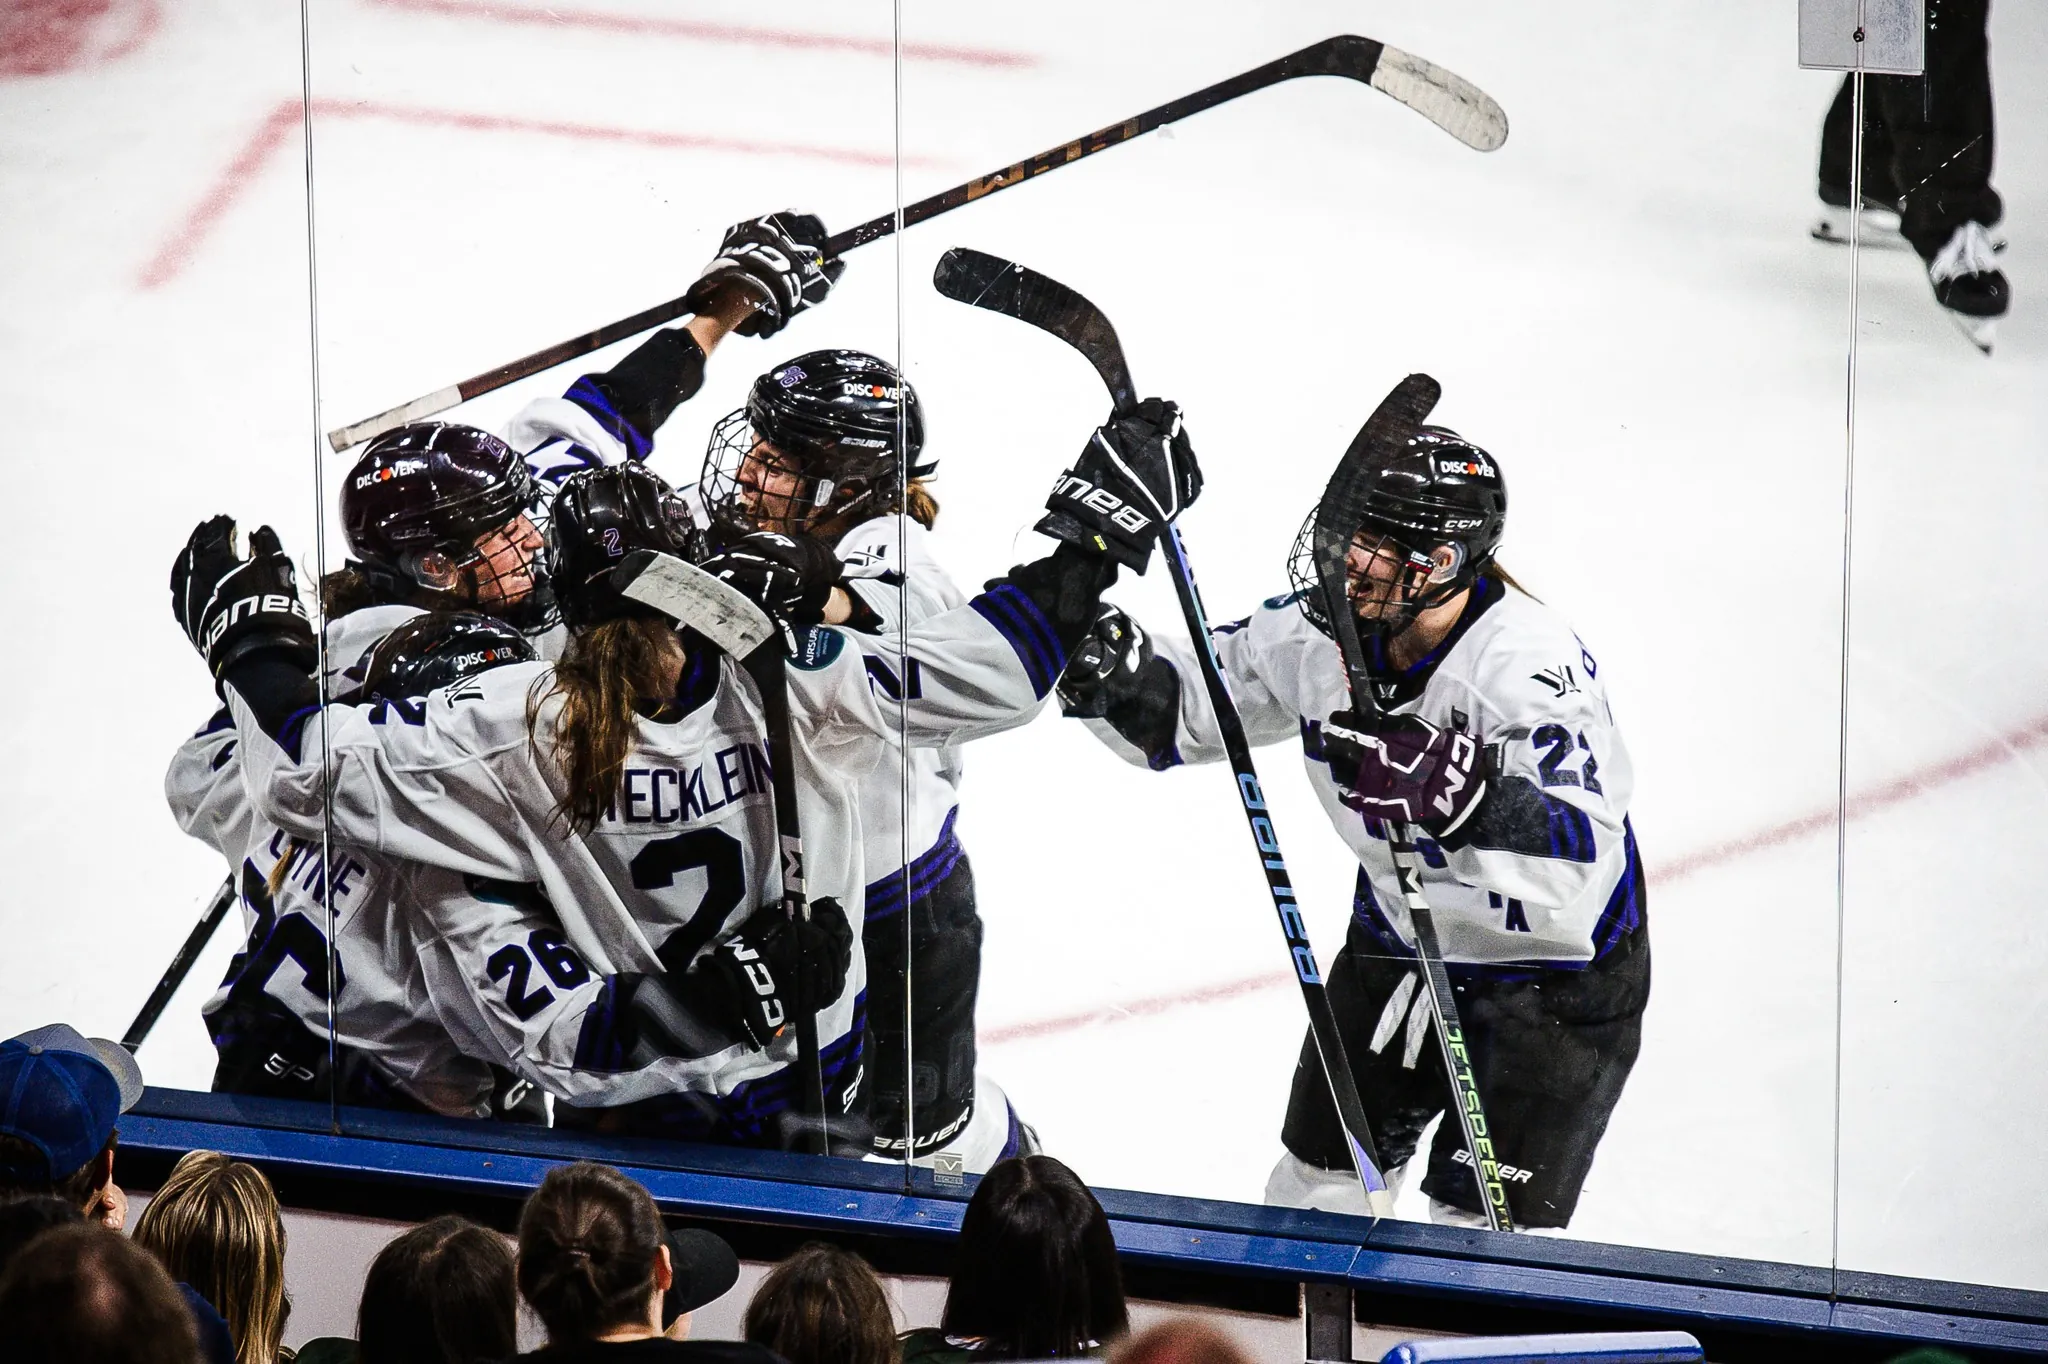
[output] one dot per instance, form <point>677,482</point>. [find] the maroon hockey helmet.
<point>420,507</point>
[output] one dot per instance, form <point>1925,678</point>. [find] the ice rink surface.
<point>1622,304</point>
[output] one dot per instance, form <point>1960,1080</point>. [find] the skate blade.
<point>1982,331</point>
<point>1835,232</point>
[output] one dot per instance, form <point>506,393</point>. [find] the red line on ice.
<point>1883,796</point>
<point>43,37</point>
<point>283,122</point>
<point>699,30</point>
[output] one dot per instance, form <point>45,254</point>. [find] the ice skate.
<point>1879,226</point>
<point>1969,284</point>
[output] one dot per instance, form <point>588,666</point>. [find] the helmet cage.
<point>1432,570</point>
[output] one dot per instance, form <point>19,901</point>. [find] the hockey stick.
<point>181,966</point>
<point>1338,518</point>
<point>1004,287</point>
<point>1443,97</point>
<point>739,628</point>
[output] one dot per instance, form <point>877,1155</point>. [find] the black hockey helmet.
<point>440,649</point>
<point>601,516</point>
<point>419,504</point>
<point>1439,508</point>
<point>846,426</point>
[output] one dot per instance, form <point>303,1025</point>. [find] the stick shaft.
<point>1322,1020</point>
<point>181,965</point>
<point>1346,55</point>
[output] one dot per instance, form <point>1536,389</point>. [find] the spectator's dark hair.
<point>215,1225</point>
<point>588,1241</point>
<point>24,1219</point>
<point>1184,1340</point>
<point>443,1293</point>
<point>1035,1273</point>
<point>86,1295</point>
<point>76,1188</point>
<point>823,1305</point>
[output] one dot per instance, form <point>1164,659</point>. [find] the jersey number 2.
<point>656,866</point>
<point>1560,742</point>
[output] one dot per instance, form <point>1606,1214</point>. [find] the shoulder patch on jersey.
<point>816,647</point>
<point>1281,602</point>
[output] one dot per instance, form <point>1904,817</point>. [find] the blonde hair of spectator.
<point>1183,1340</point>
<point>823,1305</point>
<point>215,1225</point>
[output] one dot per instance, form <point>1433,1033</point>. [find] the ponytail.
<point>345,591</point>
<point>1507,579</point>
<point>602,674</point>
<point>919,502</point>
<point>589,1238</point>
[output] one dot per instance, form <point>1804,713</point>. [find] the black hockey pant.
<point>1550,1049</point>
<point>942,963</point>
<point>1927,139</point>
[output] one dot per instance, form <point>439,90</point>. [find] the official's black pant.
<point>933,944</point>
<point>1550,1050</point>
<point>1927,139</point>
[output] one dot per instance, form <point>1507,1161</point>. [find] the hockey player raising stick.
<point>830,445</point>
<point>622,793</point>
<point>1498,743</point>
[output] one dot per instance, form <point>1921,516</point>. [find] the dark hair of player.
<point>443,1293</point>
<point>588,1241</point>
<point>1035,1272</point>
<point>83,1292</point>
<point>620,653</point>
<point>826,440</point>
<point>823,1305</point>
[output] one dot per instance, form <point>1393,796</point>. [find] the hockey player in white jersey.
<point>625,784</point>
<point>1498,742</point>
<point>269,1018</point>
<point>831,445</point>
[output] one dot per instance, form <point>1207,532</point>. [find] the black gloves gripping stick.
<point>777,263</point>
<point>1136,474</point>
<point>749,980</point>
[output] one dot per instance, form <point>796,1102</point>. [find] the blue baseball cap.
<point>60,1093</point>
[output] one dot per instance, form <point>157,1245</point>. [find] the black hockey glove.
<point>778,265</point>
<point>1136,474</point>
<point>750,981</point>
<point>1401,767</point>
<point>1105,667</point>
<point>791,577</point>
<point>232,608</point>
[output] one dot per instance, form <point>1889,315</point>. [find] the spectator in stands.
<point>215,1225</point>
<point>1034,1276</point>
<point>595,1266</point>
<point>823,1305</point>
<point>23,1219</point>
<point>443,1293</point>
<point>85,1295</point>
<point>1181,1341</point>
<point>60,1095</point>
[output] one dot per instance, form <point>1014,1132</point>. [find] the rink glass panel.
<point>1942,947</point>
<point>1622,305</point>
<point>492,179</point>
<point>154,249</point>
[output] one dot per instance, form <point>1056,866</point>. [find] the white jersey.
<point>907,584</point>
<point>382,1010</point>
<point>1546,870</point>
<point>455,783</point>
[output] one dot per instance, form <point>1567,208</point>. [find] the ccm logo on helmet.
<point>1102,500</point>
<point>248,606</point>
<point>396,469</point>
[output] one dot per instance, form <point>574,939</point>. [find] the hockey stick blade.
<point>984,281</point>
<point>1443,97</point>
<point>688,595</point>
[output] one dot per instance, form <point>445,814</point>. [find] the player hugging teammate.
<point>569,868</point>
<point>1490,731</point>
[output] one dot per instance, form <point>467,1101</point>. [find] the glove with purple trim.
<point>1136,474</point>
<point>1403,768</point>
<point>231,607</point>
<point>776,263</point>
<point>791,577</point>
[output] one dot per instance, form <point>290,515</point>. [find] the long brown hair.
<point>589,1238</point>
<point>1035,1272</point>
<point>601,675</point>
<point>1507,579</point>
<point>215,1225</point>
<point>823,1305</point>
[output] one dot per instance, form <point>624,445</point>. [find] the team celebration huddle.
<point>580,798</point>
